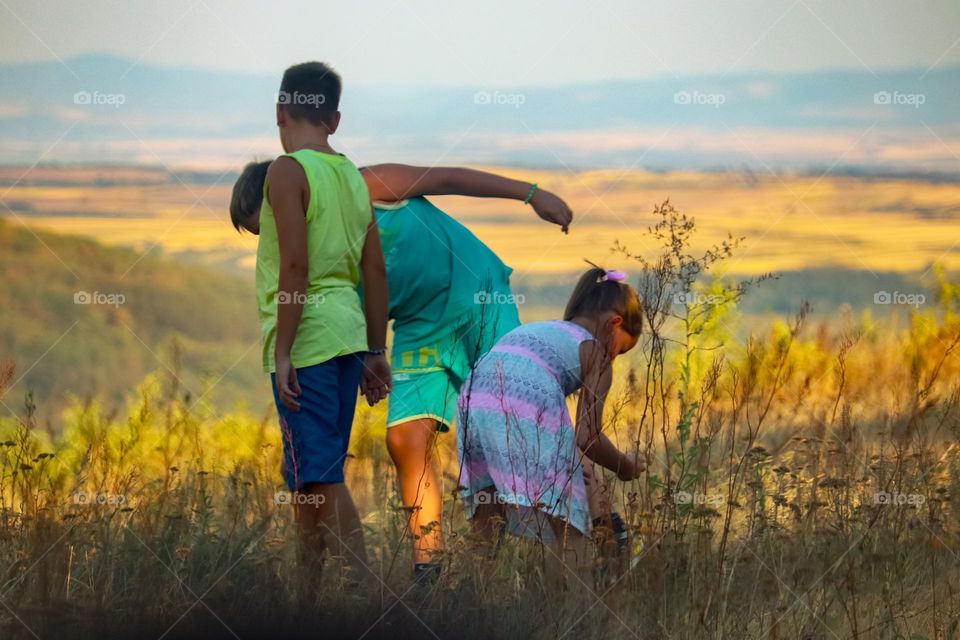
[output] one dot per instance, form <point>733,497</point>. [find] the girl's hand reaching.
<point>631,466</point>
<point>552,208</point>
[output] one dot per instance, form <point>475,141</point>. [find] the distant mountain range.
<point>110,109</point>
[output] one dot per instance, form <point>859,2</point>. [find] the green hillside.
<point>84,320</point>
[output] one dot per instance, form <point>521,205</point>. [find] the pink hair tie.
<point>614,276</point>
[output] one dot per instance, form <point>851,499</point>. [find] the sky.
<point>497,43</point>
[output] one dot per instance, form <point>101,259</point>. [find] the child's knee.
<point>410,442</point>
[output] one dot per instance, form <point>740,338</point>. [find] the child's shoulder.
<point>553,331</point>
<point>313,158</point>
<point>332,175</point>
<point>565,328</point>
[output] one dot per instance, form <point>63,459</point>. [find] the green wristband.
<point>533,190</point>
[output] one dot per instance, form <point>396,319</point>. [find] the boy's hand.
<point>375,382</point>
<point>287,386</point>
<point>552,208</point>
<point>632,465</point>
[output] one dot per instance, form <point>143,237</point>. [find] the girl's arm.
<point>393,182</point>
<point>597,377</point>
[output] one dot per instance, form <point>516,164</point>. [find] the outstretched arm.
<point>597,377</point>
<point>392,182</point>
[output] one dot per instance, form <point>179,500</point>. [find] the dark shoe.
<point>618,529</point>
<point>426,573</point>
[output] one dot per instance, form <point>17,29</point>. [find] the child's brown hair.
<point>247,196</point>
<point>597,293</point>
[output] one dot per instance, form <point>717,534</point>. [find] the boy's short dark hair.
<point>310,91</point>
<point>248,192</point>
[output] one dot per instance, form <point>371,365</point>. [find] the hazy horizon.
<point>509,44</point>
<point>117,110</point>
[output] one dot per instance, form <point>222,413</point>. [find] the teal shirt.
<point>436,268</point>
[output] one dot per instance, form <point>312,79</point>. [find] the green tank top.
<point>338,214</point>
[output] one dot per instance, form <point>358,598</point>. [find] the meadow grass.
<point>802,484</point>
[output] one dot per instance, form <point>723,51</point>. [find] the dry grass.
<point>804,484</point>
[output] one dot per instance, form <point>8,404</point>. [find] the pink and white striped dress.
<point>514,431</point>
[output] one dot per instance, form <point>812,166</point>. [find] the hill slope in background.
<point>131,111</point>
<point>84,320</point>
<point>77,320</point>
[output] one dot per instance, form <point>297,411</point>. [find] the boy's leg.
<point>344,512</point>
<point>315,442</point>
<point>411,445</point>
<point>328,520</point>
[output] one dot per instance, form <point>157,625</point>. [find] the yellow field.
<point>790,222</point>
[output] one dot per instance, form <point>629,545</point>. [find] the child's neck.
<point>590,324</point>
<point>318,141</point>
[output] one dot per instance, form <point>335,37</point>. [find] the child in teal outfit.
<point>446,310</point>
<point>450,301</point>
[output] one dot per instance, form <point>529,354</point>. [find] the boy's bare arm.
<point>375,383</point>
<point>392,182</point>
<point>288,186</point>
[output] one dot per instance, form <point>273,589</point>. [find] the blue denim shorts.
<point>316,438</point>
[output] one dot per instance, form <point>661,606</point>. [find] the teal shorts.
<point>427,378</point>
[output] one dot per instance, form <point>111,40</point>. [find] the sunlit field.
<point>803,482</point>
<point>790,222</point>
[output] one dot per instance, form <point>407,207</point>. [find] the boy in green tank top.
<point>318,240</point>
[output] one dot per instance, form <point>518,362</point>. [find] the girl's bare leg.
<point>598,494</point>
<point>573,552</point>
<point>488,518</point>
<point>600,500</point>
<point>411,446</point>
